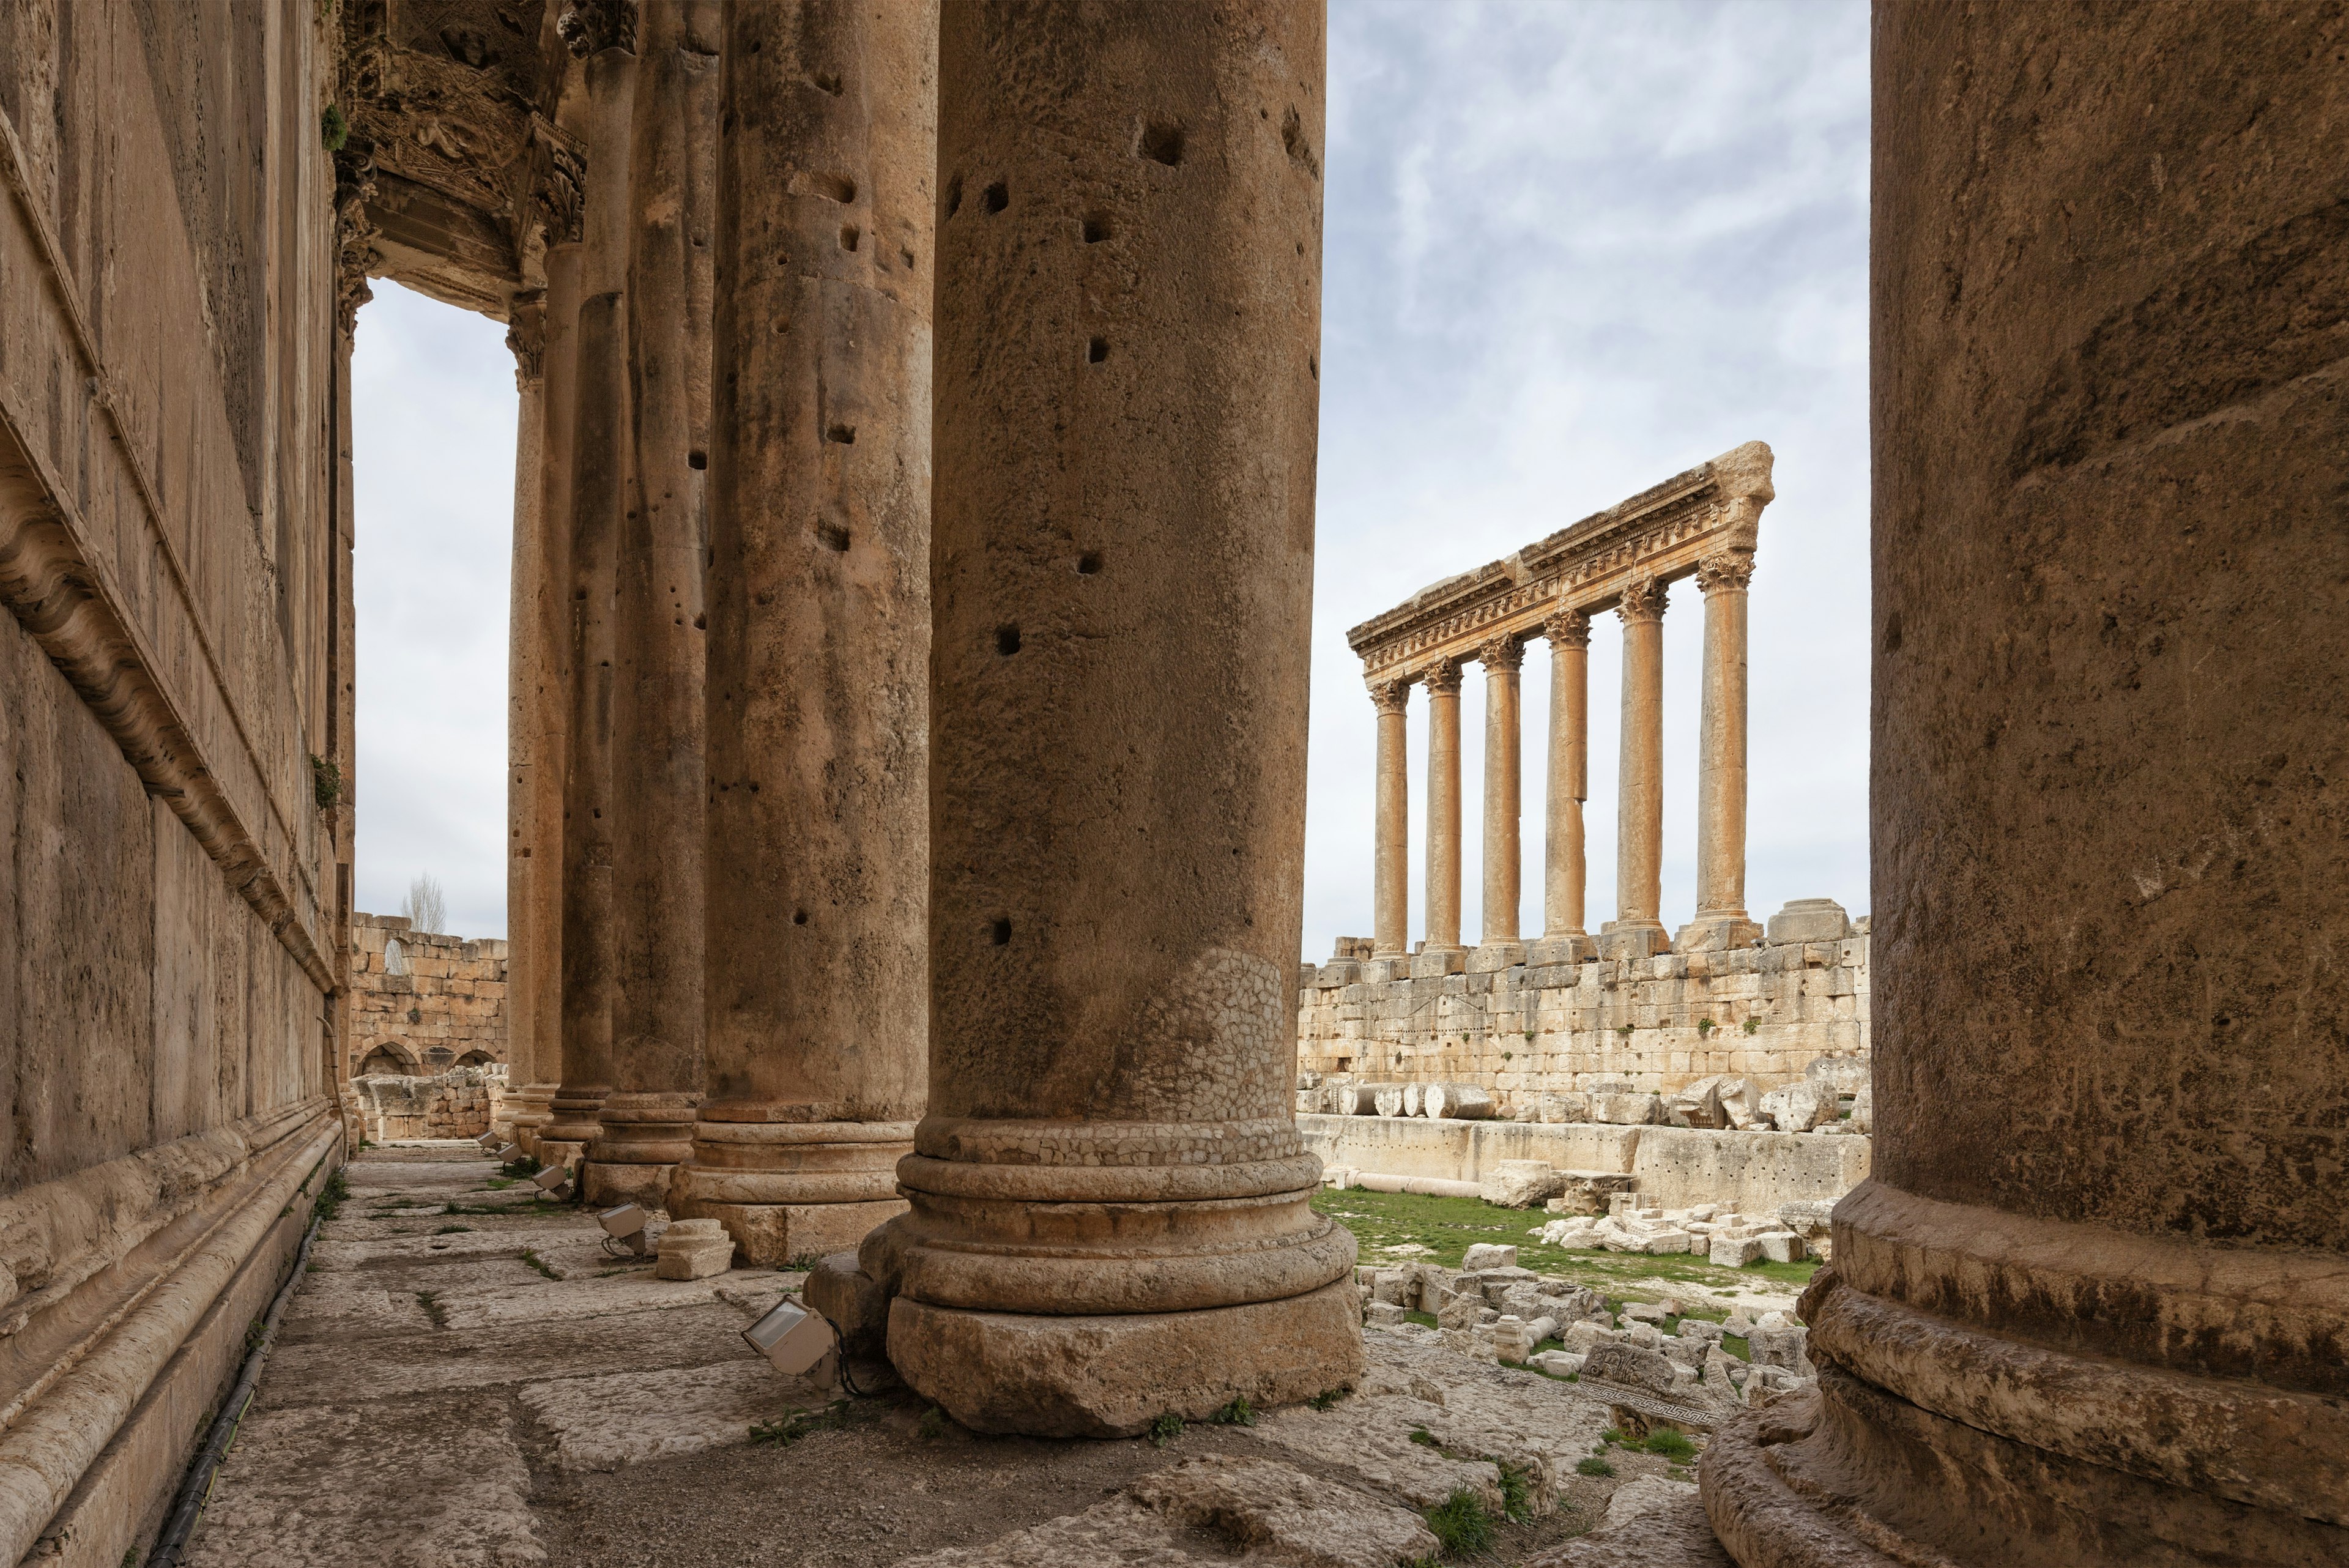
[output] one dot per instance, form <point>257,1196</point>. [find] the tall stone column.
<point>2089,1310</point>
<point>1505,753</point>
<point>526,947</point>
<point>1110,1200</point>
<point>603,34</point>
<point>542,632</point>
<point>1565,870</point>
<point>1636,931</point>
<point>1721,919</point>
<point>819,638</point>
<point>1391,860</point>
<point>657,772</point>
<point>1442,953</point>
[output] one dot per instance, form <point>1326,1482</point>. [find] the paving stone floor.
<point>465,1377</point>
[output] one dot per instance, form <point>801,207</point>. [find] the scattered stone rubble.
<point>1832,1096</point>
<point>1724,1238</point>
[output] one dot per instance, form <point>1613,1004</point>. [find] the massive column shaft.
<point>1110,1200</point>
<point>1391,857</point>
<point>1565,870</point>
<point>527,949</point>
<point>1505,753</point>
<point>657,775</point>
<point>1636,930</point>
<point>2089,1310</point>
<point>819,633</point>
<point>603,36</point>
<point>1720,919</point>
<point>1443,681</point>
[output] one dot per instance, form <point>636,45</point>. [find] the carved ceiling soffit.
<point>591,26</point>
<point>1663,532</point>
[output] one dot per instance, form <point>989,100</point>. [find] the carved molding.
<point>1663,532</point>
<point>52,584</point>
<point>1732,570</point>
<point>1642,599</point>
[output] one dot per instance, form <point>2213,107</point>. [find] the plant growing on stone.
<point>1328,1398</point>
<point>1592,1465</point>
<point>325,778</point>
<point>1751,1025</point>
<point>1671,1443</point>
<point>1238,1413</point>
<point>932,1425</point>
<point>1624,1030</point>
<point>1516,1490</point>
<point>1703,1027</point>
<point>794,1424</point>
<point>530,1256</point>
<point>1461,1524</point>
<point>1164,1430</point>
<point>433,1310</point>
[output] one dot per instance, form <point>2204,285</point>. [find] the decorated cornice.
<point>1663,532</point>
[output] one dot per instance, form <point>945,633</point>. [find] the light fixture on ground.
<point>489,1141</point>
<point>555,1181</point>
<point>792,1338</point>
<point>509,1153</point>
<point>624,1225</point>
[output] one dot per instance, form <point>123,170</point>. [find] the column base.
<point>1564,946</point>
<point>565,1152</point>
<point>1633,940</point>
<point>605,1182</point>
<point>785,1235</point>
<point>1494,956</point>
<point>1433,963</point>
<point>1717,931</point>
<point>1111,1377</point>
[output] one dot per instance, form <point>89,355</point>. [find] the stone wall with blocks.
<point>1670,1167</point>
<point>1764,1013</point>
<point>422,1002</point>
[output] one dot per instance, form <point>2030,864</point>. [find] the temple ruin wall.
<point>1764,1013</point>
<point>442,1004</point>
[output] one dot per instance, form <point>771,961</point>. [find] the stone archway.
<point>388,1057</point>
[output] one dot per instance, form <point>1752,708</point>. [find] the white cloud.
<point>1571,249</point>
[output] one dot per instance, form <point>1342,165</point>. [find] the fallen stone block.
<point>1626,1109</point>
<point>1644,1312</point>
<point>1732,1251</point>
<point>1383,1315</point>
<point>1558,1362</point>
<point>1522,1183</point>
<point>1782,1246</point>
<point>1459,1102</point>
<point>1387,1101</point>
<point>1488,1255</point>
<point>1798,1107</point>
<point>694,1250</point>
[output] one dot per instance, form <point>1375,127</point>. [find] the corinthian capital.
<point>1442,679</point>
<point>1391,696</point>
<point>1567,628</point>
<point>1732,569</point>
<point>1501,653</point>
<point>558,188</point>
<point>526,336</point>
<point>591,26</point>
<point>1643,600</point>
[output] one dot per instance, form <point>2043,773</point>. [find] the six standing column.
<point>1720,919</point>
<point>1443,681</point>
<point>1503,795</point>
<point>1565,867</point>
<point>1636,931</point>
<point>1392,854</point>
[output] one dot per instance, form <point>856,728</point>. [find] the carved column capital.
<point>1732,571</point>
<point>591,26</point>
<point>557,190</point>
<point>1567,628</point>
<point>1501,653</point>
<point>1391,696</point>
<point>355,235</point>
<point>1643,600</point>
<point>1442,679</point>
<point>526,338</point>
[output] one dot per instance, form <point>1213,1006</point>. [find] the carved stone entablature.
<point>1663,534</point>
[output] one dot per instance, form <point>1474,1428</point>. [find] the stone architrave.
<point>1112,1213</point>
<point>1504,797</point>
<point>658,777</point>
<point>2089,1309</point>
<point>1443,682</point>
<point>1636,931</point>
<point>819,638</point>
<point>1391,859</point>
<point>603,36</point>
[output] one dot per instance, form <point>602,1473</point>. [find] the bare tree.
<point>426,910</point>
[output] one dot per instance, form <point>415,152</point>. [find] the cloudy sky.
<point>1573,248</point>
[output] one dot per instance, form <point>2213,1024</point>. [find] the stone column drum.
<point>659,779</point>
<point>526,949</point>
<point>1636,931</point>
<point>1503,801</point>
<point>1721,919</point>
<point>1565,870</point>
<point>1111,1213</point>
<point>2090,1311</point>
<point>1443,682</point>
<point>1391,862</point>
<point>604,38</point>
<point>818,625</point>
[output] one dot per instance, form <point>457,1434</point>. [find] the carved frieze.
<point>1662,534</point>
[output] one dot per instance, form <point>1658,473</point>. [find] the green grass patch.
<point>1592,1465</point>
<point>331,1197</point>
<point>1516,1490</point>
<point>530,1256</point>
<point>499,1183</point>
<point>1737,1346</point>
<point>794,1424</point>
<point>1671,1444</point>
<point>1460,1524</point>
<point>452,1231</point>
<point>1238,1413</point>
<point>1448,1227</point>
<point>1328,1398</point>
<point>1164,1430</point>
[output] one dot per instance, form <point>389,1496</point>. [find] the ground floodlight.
<point>509,1153</point>
<point>490,1141</point>
<point>790,1337</point>
<point>555,1181</point>
<point>626,1224</point>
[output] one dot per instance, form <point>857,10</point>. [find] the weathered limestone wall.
<point>460,1104</point>
<point>442,1006</point>
<point>1678,1167</point>
<point>1765,1014</point>
<point>169,908</point>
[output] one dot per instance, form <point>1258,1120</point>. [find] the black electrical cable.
<point>198,1487</point>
